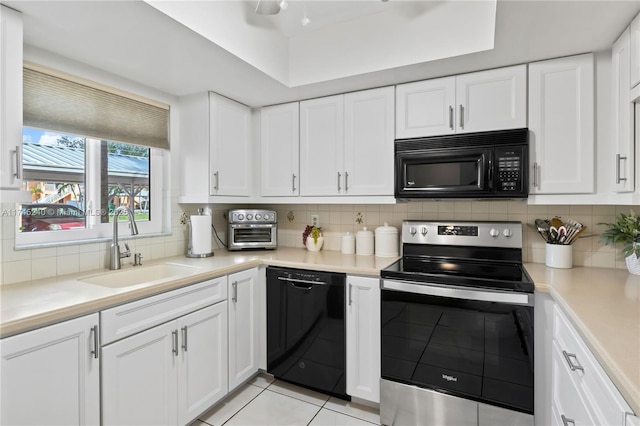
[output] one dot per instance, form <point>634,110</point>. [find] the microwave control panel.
<point>510,164</point>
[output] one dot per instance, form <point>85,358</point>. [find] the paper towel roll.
<point>200,235</point>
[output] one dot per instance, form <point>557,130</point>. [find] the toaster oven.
<point>251,229</point>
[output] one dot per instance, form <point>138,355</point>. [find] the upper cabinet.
<point>561,117</point>
<point>280,145</point>
<point>11,99</point>
<point>622,154</point>
<point>487,100</point>
<point>346,144</point>
<point>215,148</point>
<point>635,51</point>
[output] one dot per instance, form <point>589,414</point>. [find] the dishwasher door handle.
<point>296,280</point>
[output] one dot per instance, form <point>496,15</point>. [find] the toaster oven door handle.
<point>432,289</point>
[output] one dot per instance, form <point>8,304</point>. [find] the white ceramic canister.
<point>364,242</point>
<point>559,256</point>
<point>387,241</point>
<point>348,244</point>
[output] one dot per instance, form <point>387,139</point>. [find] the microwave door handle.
<point>490,174</point>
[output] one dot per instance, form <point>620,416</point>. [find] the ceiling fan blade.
<point>268,7</point>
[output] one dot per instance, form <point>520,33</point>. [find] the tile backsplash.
<point>335,220</point>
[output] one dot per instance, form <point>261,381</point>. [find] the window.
<point>86,151</point>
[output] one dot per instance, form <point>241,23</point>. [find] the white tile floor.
<point>265,401</point>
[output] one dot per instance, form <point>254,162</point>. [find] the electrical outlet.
<point>315,220</point>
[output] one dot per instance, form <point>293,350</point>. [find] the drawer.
<point>125,320</point>
<point>567,398</point>
<point>600,394</point>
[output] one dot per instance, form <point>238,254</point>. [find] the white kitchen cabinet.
<point>169,374</point>
<point>244,326</point>
<point>581,391</point>
<point>280,148</point>
<point>322,146</point>
<point>51,375</point>
<point>634,52</point>
<point>215,149</point>
<point>623,152</point>
<point>368,142</point>
<point>346,144</point>
<point>561,122</point>
<point>481,101</point>
<point>363,338</point>
<point>10,99</point>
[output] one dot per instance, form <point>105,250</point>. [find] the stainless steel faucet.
<point>116,254</point>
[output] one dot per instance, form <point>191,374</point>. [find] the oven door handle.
<point>432,289</point>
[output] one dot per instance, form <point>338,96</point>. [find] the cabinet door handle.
<point>184,338</point>
<point>96,344</point>
<point>461,116</point>
<point>451,117</point>
<point>535,175</point>
<point>216,185</point>
<point>339,175</point>
<point>346,181</point>
<point>234,286</point>
<point>567,421</point>
<point>18,151</point>
<point>572,365</point>
<point>293,183</point>
<point>350,300</point>
<point>618,159</point>
<point>174,343</point>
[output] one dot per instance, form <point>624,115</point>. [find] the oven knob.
<point>412,231</point>
<point>249,216</point>
<point>507,232</point>
<point>240,216</point>
<point>266,217</point>
<point>258,216</point>
<point>494,232</point>
<point>424,231</point>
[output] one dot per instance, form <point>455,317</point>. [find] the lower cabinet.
<point>363,337</point>
<point>169,374</point>
<point>581,392</point>
<point>51,375</point>
<point>244,326</point>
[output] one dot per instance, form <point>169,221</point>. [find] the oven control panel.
<point>479,234</point>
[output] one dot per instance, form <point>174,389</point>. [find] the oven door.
<point>252,236</point>
<point>472,344</point>
<point>444,173</point>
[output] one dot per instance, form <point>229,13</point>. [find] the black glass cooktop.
<point>463,272</point>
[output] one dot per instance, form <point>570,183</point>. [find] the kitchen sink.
<point>141,275</point>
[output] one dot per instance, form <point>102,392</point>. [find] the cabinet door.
<point>492,100</point>
<point>280,147</point>
<point>426,108</point>
<point>623,153</point>
<point>202,369</point>
<point>635,52</point>
<point>230,161</point>
<point>368,144</point>
<point>363,338</point>
<point>139,378</point>
<point>50,376</point>
<point>11,99</point>
<point>322,146</point>
<point>244,328</point>
<point>561,116</point>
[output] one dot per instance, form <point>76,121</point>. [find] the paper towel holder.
<point>190,252</point>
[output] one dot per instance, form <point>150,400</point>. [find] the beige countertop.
<point>604,304</point>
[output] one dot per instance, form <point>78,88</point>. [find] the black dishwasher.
<point>306,329</point>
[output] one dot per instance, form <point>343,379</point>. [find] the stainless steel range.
<point>457,327</point>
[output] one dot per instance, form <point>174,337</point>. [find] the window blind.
<point>63,105</point>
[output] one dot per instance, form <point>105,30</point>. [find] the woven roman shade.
<point>59,104</point>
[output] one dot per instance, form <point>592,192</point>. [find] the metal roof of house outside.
<point>59,159</point>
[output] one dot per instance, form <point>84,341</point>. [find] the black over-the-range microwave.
<point>472,165</point>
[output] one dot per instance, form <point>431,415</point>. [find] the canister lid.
<point>386,229</point>
<point>364,233</point>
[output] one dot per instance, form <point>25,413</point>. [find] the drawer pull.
<point>567,421</point>
<point>572,365</point>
